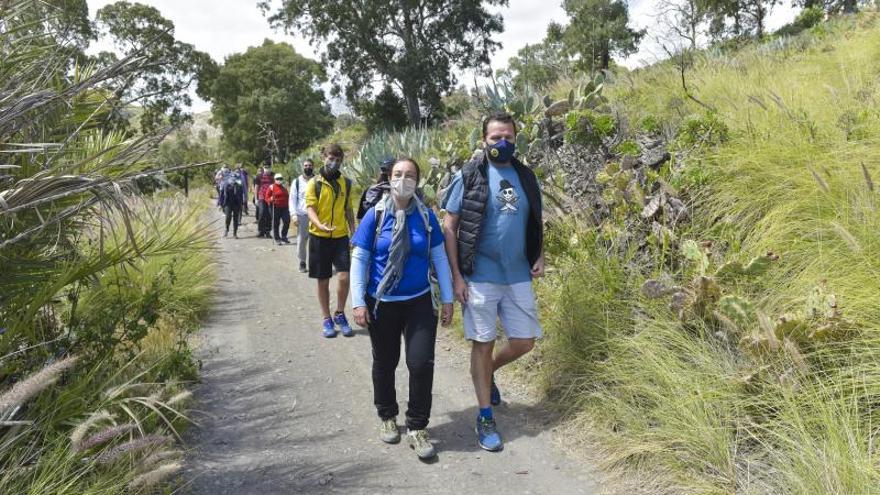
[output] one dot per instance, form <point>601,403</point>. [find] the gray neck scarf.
<point>399,250</point>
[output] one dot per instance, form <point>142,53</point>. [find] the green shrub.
<point>651,124</point>
<point>702,130</point>
<point>588,128</point>
<point>627,147</point>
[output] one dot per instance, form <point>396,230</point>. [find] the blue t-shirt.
<point>415,273</point>
<point>501,248</point>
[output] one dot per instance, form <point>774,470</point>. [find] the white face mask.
<point>402,187</point>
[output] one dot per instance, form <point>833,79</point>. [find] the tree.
<point>597,30</point>
<point>683,19</point>
<point>413,45</point>
<point>171,66</point>
<point>385,112</point>
<point>538,65</point>
<point>269,88</point>
<point>833,6</point>
<point>739,17</point>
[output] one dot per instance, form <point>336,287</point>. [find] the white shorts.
<point>513,304</point>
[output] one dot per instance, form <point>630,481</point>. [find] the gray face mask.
<point>403,188</point>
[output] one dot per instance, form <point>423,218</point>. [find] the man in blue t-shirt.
<point>494,242</point>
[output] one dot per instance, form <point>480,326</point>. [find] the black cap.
<point>386,164</point>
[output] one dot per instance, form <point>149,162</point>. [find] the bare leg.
<point>324,296</point>
<point>511,351</point>
<point>341,291</point>
<point>481,370</point>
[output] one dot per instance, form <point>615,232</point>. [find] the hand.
<point>446,315</point>
<point>538,268</point>
<point>325,228</point>
<point>460,289</point>
<point>361,316</point>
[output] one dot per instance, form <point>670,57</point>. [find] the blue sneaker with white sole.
<point>342,322</point>
<point>487,435</point>
<point>329,328</point>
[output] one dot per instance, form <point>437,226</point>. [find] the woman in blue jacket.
<point>397,244</point>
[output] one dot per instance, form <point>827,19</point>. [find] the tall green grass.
<point>683,407</point>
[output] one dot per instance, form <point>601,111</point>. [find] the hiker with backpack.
<point>328,203</point>
<point>396,245</point>
<point>278,198</point>
<point>373,194</point>
<point>494,239</point>
<point>264,209</point>
<point>243,174</point>
<point>231,200</point>
<point>298,207</point>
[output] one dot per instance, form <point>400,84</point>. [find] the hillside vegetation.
<point>758,377</point>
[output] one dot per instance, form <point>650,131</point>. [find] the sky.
<point>224,27</point>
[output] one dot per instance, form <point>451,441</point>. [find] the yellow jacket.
<point>331,207</point>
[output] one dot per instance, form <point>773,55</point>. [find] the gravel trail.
<point>283,410</point>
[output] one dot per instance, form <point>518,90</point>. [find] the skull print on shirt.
<point>507,197</point>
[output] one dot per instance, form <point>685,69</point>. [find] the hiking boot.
<point>329,328</point>
<point>419,441</point>
<point>388,432</point>
<point>235,235</point>
<point>285,240</point>
<point>487,435</point>
<point>494,394</point>
<point>302,267</point>
<point>278,242</point>
<point>339,319</point>
<point>226,234</point>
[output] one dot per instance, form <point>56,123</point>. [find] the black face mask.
<point>308,172</point>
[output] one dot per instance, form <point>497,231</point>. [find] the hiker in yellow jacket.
<point>331,222</point>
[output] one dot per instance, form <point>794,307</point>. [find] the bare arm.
<point>349,217</point>
<point>450,232</point>
<point>313,217</point>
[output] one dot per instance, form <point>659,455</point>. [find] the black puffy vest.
<point>473,205</point>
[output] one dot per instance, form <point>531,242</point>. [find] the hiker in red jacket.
<point>276,197</point>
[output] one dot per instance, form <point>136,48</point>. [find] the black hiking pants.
<point>281,216</point>
<point>233,215</point>
<point>416,321</point>
<point>265,219</point>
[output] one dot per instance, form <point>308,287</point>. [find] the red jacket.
<point>277,195</point>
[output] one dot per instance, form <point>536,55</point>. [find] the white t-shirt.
<point>297,201</point>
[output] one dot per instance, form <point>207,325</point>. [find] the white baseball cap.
<point>279,176</point>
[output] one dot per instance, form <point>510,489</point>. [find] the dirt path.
<point>284,410</point>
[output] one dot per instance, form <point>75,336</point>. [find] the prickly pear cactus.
<point>738,310</point>
<point>697,254</point>
<point>757,266</point>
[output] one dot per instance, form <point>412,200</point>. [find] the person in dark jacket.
<point>494,241</point>
<point>264,209</point>
<point>377,191</point>
<point>232,200</point>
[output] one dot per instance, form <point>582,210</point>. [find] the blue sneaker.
<point>487,435</point>
<point>339,319</point>
<point>494,394</point>
<point>329,329</point>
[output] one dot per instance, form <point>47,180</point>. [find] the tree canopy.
<point>268,88</point>
<point>171,67</point>
<point>597,30</point>
<point>537,65</point>
<point>413,45</point>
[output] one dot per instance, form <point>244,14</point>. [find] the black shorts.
<point>326,253</point>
